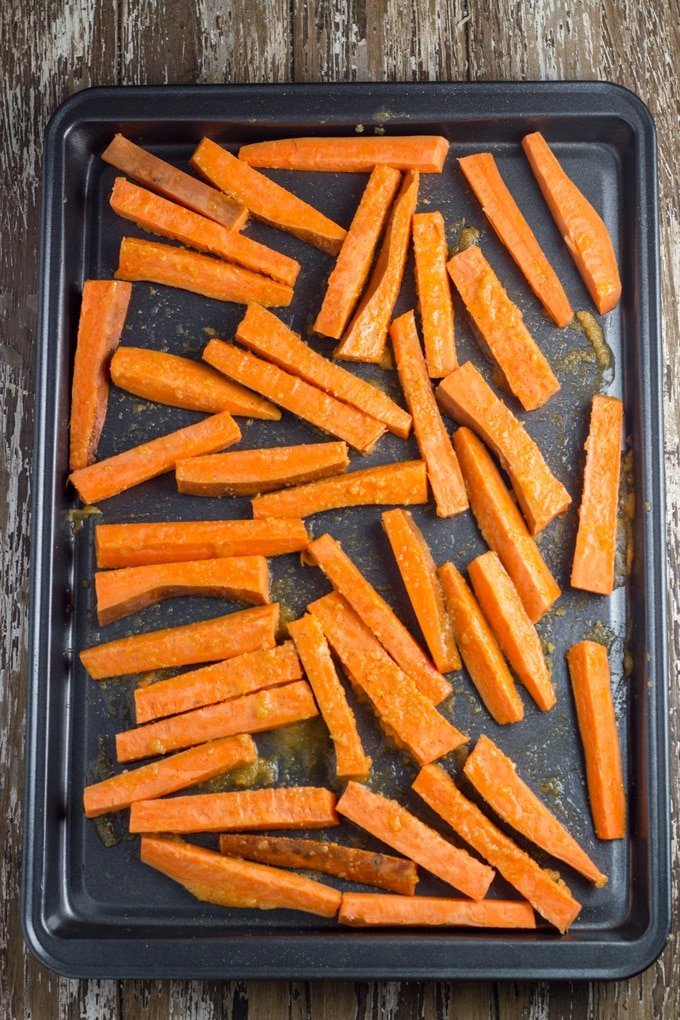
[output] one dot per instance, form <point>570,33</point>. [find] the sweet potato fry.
<point>295,395</point>
<point>177,772</point>
<point>434,294</point>
<point>207,641</point>
<point>382,870</point>
<point>362,910</point>
<point>141,463</point>
<point>394,825</point>
<point>102,317</point>
<point>250,472</point>
<point>403,483</point>
<point>352,155</point>
<point>228,883</point>
<point>466,397</point>
<point>266,200</point>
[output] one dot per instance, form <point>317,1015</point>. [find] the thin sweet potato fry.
<point>408,718</point>
<point>352,155</point>
<point>159,216</point>
<point>362,910</point>
<point>548,895</point>
<point>266,200</point>
<point>495,778</point>
<point>507,220</point>
<point>394,825</point>
<point>353,264</point>
<point>591,684</point>
<point>167,180</point>
<point>251,713</point>
<point>366,337</point>
<point>595,552</point>
<point>502,526</point>
<point>434,294</point>
<point>382,870</point>
<point>443,470</point>
<point>265,335</point>
<point>250,472</point>
<point>108,477</point>
<point>221,681</point>
<point>419,574</point>
<point>102,317</point>
<point>466,397</point>
<point>279,807</point>
<point>181,382</point>
<point>501,326</point>
<point>130,589</point>
<point>206,641</point>
<point>327,554</point>
<point>200,274</point>
<point>229,883</point>
<point>295,395</point>
<point>133,545</point>
<point>403,483</point>
<point>479,650</point>
<point>584,232</point>
<point>510,623</point>
<point>177,772</point>
<point>350,758</point>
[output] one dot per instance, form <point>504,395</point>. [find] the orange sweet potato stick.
<point>501,326</point>
<point>102,317</point>
<point>394,825</point>
<point>352,155</point>
<point>200,274</point>
<point>584,232</point>
<point>249,472</point>
<point>353,264</point>
<point>381,870</point>
<point>125,591</point>
<point>549,896</point>
<point>366,336</point>
<point>502,526</point>
<point>221,681</point>
<point>507,220</point>
<point>434,294</point>
<point>479,650</point>
<point>419,574</point>
<point>279,807</point>
<point>327,554</point>
<point>167,180</point>
<point>124,470</point>
<point>466,397</point>
<point>403,483</point>
<point>265,335</point>
<point>350,758</point>
<point>251,713</point>
<point>207,641</point>
<point>229,883</point>
<point>435,447</point>
<point>266,200</point>
<point>510,623</point>
<point>593,566</point>
<point>407,716</point>
<point>295,395</point>
<point>363,910</point>
<point>177,772</point>
<point>134,545</point>
<point>157,215</point>
<point>591,684</point>
<point>495,778</point>
<point>181,382</point>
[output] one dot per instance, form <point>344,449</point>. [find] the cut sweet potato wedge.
<point>366,910</point>
<point>434,294</point>
<point>250,472</point>
<point>351,155</point>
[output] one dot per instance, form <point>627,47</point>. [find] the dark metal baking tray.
<point>89,910</point>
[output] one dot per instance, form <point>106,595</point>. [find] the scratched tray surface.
<point>91,907</point>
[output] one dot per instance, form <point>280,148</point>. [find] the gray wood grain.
<point>51,48</point>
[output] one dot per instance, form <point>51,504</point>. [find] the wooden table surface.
<point>51,48</point>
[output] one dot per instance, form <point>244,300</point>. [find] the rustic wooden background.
<point>51,48</point>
